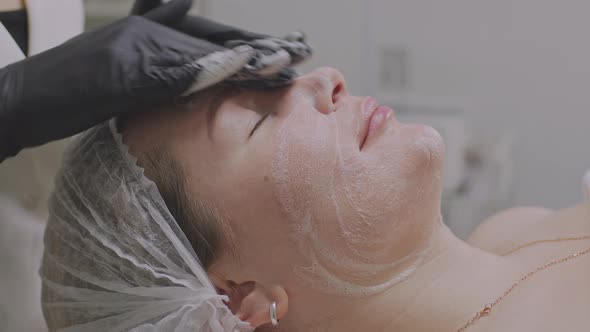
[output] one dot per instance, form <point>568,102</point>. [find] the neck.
<point>453,283</point>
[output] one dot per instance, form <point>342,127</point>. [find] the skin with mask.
<point>334,211</point>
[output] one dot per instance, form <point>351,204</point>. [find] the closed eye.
<point>258,123</point>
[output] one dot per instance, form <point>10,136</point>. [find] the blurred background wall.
<point>507,82</point>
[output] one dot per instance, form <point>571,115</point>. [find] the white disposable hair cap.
<point>115,259</point>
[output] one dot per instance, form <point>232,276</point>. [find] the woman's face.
<point>320,188</point>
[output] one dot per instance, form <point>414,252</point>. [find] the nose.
<point>327,86</point>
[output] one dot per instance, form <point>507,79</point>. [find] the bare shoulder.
<point>502,231</point>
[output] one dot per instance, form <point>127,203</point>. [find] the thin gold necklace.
<point>488,307</point>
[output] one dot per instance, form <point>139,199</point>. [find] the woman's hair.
<point>201,223</point>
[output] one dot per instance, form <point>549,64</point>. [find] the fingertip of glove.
<point>269,64</point>
<point>298,36</point>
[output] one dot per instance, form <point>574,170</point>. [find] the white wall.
<point>335,34</point>
<point>522,66</point>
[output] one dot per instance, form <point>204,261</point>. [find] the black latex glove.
<point>274,57</point>
<point>129,65</point>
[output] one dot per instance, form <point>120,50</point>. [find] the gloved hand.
<point>270,65</point>
<point>126,66</point>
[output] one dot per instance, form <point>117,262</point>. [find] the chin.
<point>420,166</point>
<point>411,148</point>
<point>398,195</point>
<point>427,144</point>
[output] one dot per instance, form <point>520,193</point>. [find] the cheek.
<point>257,218</point>
<point>303,167</point>
<point>350,212</point>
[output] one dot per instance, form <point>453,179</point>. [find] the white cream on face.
<point>357,217</point>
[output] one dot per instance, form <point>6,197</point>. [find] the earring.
<point>273,314</point>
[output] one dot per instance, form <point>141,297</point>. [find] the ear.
<point>251,301</point>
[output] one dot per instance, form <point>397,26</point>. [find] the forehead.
<point>188,122</point>
<point>167,124</point>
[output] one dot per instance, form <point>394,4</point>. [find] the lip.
<point>373,116</point>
